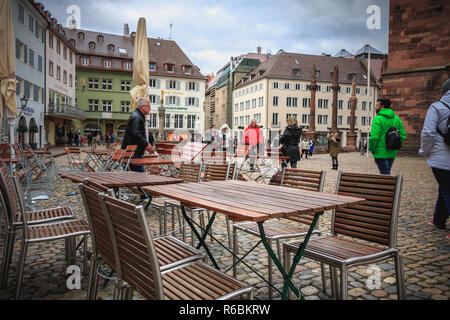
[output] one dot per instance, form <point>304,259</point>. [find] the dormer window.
<point>111,48</point>
<point>260,73</point>
<point>187,69</point>
<point>72,42</point>
<point>85,61</point>
<point>170,67</point>
<point>127,65</point>
<point>297,72</point>
<point>352,76</point>
<point>107,63</point>
<point>152,67</point>
<point>92,45</point>
<point>80,35</point>
<point>100,38</point>
<point>123,51</point>
<point>317,73</point>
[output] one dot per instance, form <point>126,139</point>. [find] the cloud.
<point>209,32</point>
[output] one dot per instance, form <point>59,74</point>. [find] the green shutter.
<point>17,49</point>
<point>25,53</point>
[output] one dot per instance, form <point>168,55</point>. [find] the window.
<point>127,65</point>
<point>31,23</point>
<point>58,73</point>
<point>65,53</point>
<point>172,100</point>
<point>322,119</point>
<point>286,86</point>
<point>191,121</point>
<point>21,14</point>
<point>93,83</point>
<point>107,63</point>
<point>370,105</point>
<point>291,115</point>
<point>65,76</point>
<point>363,106</point>
<point>358,90</point>
<point>253,103</point>
<point>348,120</point>
<point>31,57</point>
<point>85,61</point>
<point>191,102</point>
<point>241,120</point>
<point>241,106</point>
<point>125,106</point>
<point>152,67</point>
<point>297,72</point>
<point>328,88</point>
<point>70,81</point>
<point>349,105</point>
<point>348,90</point>
<point>257,117</point>
<point>236,107</point>
<point>50,68</point>
<point>178,121</point>
<point>167,121</point>
<point>339,120</point>
<point>50,41</point>
<point>236,121</point>
<point>275,85</point>
<point>93,105</point>
<point>152,98</point>
<point>192,86</point>
<point>260,101</point>
<point>187,69</point>
<point>340,104</point>
<point>247,104</point>
<point>107,105</point>
<point>260,86</point>
<point>275,101</point>
<point>291,102</point>
<point>125,85</point>
<point>58,47</point>
<point>40,62</point>
<point>298,86</point>
<point>172,84</point>
<point>153,120</point>
<point>170,68</point>
<point>320,104</point>
<point>306,102</point>
<point>305,118</point>
<point>153,83</point>
<point>107,84</point>
<point>247,119</point>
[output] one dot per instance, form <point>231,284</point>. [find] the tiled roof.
<point>160,51</point>
<point>283,65</point>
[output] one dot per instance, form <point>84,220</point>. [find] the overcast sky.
<point>211,31</point>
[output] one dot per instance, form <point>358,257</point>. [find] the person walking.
<point>383,122</point>
<point>69,138</point>
<point>290,140</point>
<point>90,138</point>
<point>135,132</point>
<point>97,139</point>
<point>107,140</point>
<point>254,139</point>
<point>437,153</point>
<point>225,138</point>
<point>76,139</point>
<point>311,147</point>
<point>333,147</point>
<point>304,145</point>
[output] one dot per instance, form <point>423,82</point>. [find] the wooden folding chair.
<point>141,267</point>
<point>374,221</point>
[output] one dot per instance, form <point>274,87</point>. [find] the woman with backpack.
<point>435,146</point>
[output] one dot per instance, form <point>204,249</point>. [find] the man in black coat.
<point>135,131</point>
<point>290,140</point>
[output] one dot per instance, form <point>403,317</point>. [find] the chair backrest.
<point>136,258</point>
<point>128,155</point>
<point>9,196</point>
<point>190,172</point>
<point>303,179</point>
<point>219,172</point>
<point>5,151</point>
<point>100,237</point>
<point>376,219</point>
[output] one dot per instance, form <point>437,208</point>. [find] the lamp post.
<point>23,104</point>
<point>162,117</point>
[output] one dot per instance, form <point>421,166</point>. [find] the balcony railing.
<point>65,111</point>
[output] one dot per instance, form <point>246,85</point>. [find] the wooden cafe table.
<point>249,201</point>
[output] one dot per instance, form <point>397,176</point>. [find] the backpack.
<point>446,133</point>
<point>393,140</point>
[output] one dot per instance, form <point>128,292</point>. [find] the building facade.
<point>280,88</point>
<point>104,68</point>
<point>29,32</point>
<point>61,113</point>
<point>418,63</point>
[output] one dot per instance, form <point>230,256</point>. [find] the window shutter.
<point>17,49</point>
<point>186,86</point>
<point>167,84</point>
<point>158,100</point>
<point>31,58</point>
<point>158,84</point>
<point>196,101</point>
<point>177,85</point>
<point>36,93</point>
<point>178,101</point>
<point>26,91</point>
<point>186,101</point>
<point>18,87</point>
<point>25,53</point>
<point>197,86</point>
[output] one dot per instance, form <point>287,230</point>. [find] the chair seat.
<point>178,204</point>
<point>172,251</point>
<point>335,249</point>
<point>47,215</point>
<point>197,281</point>
<point>274,229</point>
<point>159,201</point>
<point>57,230</point>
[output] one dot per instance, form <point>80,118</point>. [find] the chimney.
<point>258,49</point>
<point>126,30</point>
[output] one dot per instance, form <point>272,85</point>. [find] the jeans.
<point>137,168</point>
<point>305,153</point>
<point>334,162</point>
<point>442,209</point>
<point>385,165</point>
<point>284,164</point>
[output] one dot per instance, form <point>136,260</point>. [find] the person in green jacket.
<point>385,119</point>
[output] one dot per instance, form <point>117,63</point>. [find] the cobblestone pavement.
<point>426,250</point>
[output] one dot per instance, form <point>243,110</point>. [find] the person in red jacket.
<point>254,139</point>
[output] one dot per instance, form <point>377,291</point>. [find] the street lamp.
<point>23,104</point>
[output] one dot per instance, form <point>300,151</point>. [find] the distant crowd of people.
<point>78,140</point>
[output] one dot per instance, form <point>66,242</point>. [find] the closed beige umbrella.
<point>141,68</point>
<point>7,60</point>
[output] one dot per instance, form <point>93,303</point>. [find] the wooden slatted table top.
<point>248,201</point>
<point>121,179</point>
<point>150,162</point>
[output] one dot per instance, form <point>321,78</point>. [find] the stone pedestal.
<point>351,141</point>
